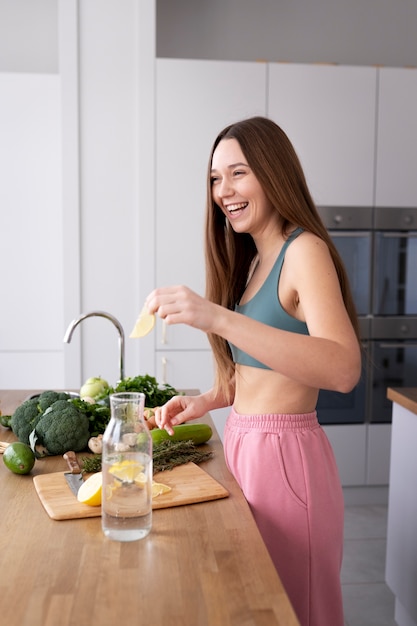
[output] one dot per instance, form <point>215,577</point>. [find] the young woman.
<point>280,318</point>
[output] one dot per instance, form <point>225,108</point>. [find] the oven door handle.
<point>398,235</point>
<point>405,344</point>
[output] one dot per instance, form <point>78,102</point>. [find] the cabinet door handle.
<point>164,332</point>
<point>164,370</point>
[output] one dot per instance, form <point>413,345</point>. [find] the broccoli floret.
<point>47,398</point>
<point>63,427</point>
<point>25,418</point>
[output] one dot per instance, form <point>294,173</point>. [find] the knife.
<point>74,477</point>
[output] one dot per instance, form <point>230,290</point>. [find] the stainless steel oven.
<point>395,271</point>
<point>393,362</point>
<point>379,248</point>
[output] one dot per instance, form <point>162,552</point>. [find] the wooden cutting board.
<point>189,483</point>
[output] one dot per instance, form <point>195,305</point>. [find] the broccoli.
<point>63,427</point>
<point>27,415</point>
<point>47,398</point>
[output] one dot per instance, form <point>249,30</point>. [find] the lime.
<point>19,458</point>
<point>90,491</point>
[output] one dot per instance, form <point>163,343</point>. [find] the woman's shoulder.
<point>308,247</point>
<point>302,238</point>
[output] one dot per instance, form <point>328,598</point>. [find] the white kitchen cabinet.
<point>349,446</point>
<point>329,112</point>
<point>401,557</point>
<point>186,369</point>
<point>31,251</point>
<point>378,454</point>
<point>190,369</point>
<point>194,100</point>
<point>396,156</point>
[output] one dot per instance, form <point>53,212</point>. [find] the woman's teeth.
<point>232,208</point>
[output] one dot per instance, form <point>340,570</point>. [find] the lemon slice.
<point>90,491</point>
<point>126,470</point>
<point>144,324</point>
<point>158,489</point>
<point>140,480</point>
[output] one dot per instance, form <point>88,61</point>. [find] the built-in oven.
<point>393,362</point>
<point>351,231</point>
<point>379,249</point>
<point>395,253</point>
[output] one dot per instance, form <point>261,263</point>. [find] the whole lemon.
<point>19,458</point>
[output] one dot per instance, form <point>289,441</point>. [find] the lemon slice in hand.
<point>90,491</point>
<point>144,324</point>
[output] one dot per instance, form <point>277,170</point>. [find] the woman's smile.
<point>236,209</point>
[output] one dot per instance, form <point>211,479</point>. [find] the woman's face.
<point>237,192</point>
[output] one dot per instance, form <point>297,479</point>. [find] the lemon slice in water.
<point>144,324</point>
<point>126,470</point>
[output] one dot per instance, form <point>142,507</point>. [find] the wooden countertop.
<point>404,396</point>
<point>202,564</point>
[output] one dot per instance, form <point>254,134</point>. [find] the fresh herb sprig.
<point>166,455</point>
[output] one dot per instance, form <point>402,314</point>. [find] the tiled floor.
<point>367,599</point>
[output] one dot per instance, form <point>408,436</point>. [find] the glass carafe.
<point>127,470</point>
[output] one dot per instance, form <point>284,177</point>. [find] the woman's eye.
<point>238,173</point>
<point>214,180</point>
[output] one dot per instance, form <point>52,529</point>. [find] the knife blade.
<point>74,477</point>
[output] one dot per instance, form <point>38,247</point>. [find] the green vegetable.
<point>98,415</point>
<point>155,394</point>
<point>5,420</point>
<point>166,456</point>
<point>19,458</point>
<point>27,415</point>
<point>47,398</point>
<point>61,428</point>
<point>91,464</point>
<point>197,433</point>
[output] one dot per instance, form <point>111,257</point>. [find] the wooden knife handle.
<point>72,462</point>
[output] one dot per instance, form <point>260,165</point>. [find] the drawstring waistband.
<point>273,422</point>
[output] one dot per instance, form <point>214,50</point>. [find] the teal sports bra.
<point>265,307</point>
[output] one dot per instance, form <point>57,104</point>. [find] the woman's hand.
<point>180,305</point>
<point>178,410</point>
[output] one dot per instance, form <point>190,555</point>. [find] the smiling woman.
<point>280,318</point>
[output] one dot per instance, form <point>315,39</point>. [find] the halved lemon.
<point>144,324</point>
<point>126,470</point>
<point>90,491</point>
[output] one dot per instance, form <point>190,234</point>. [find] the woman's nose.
<point>225,188</point>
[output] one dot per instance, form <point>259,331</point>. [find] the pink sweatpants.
<point>286,469</point>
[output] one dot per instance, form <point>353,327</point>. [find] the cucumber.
<point>197,433</point>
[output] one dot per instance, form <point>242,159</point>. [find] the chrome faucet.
<point>115,322</point>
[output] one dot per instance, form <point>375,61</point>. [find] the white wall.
<point>103,105</point>
<point>111,90</point>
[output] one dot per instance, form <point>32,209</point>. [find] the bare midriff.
<point>260,391</point>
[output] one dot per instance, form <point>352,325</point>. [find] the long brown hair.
<point>229,255</point>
